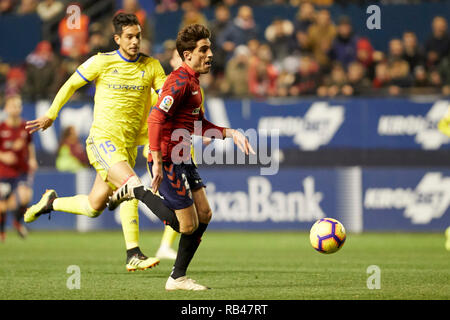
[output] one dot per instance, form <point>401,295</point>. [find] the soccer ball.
<point>327,235</point>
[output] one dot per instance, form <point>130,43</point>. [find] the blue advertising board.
<point>305,125</point>
<point>363,199</point>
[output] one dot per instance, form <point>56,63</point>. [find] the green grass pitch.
<point>237,265</point>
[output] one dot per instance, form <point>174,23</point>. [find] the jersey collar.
<point>190,70</point>
<point>128,60</point>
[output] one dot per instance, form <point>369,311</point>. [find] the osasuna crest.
<point>166,103</point>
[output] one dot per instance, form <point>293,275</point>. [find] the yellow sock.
<point>78,204</point>
<point>129,217</point>
<point>168,237</point>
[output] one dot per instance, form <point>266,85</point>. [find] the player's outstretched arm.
<point>240,140</point>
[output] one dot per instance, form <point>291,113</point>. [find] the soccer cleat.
<point>2,236</point>
<point>447,236</point>
<point>43,206</point>
<point>124,192</point>
<point>165,252</point>
<point>141,262</point>
<point>184,283</point>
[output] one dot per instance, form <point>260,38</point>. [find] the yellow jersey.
<point>122,98</point>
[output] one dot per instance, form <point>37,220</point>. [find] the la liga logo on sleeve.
<point>166,103</point>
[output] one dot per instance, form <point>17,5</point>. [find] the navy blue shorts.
<point>178,181</point>
<point>8,185</point>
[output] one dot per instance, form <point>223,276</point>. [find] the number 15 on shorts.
<point>107,147</point>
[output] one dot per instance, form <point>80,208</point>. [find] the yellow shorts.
<point>103,153</point>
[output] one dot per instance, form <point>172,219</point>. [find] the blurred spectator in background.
<point>382,78</point>
<point>262,74</point>
<point>344,45</point>
<point>305,17</point>
<point>333,82</point>
<point>132,6</point>
<point>235,82</point>
<point>41,68</point>
<point>74,38</point>
<point>27,7</point>
<point>420,77</point>
<point>198,4</point>
<point>15,80</point>
<point>7,6</point>
<point>279,36</point>
<point>242,29</point>
<point>217,26</point>
<point>286,74</point>
<point>358,83</point>
<point>97,40</point>
<point>413,53</point>
<point>48,9</point>
<point>399,73</point>
<point>166,5</point>
<point>192,15</point>
<point>365,55</point>
<point>165,56</point>
<point>395,50</point>
<point>307,78</point>
<point>320,37</point>
<point>438,44</point>
<point>71,156</point>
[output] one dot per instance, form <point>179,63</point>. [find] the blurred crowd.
<point>312,55</point>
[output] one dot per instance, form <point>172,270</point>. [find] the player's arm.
<point>87,72</point>
<point>170,96</point>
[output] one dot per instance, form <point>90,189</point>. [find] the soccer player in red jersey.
<point>17,166</point>
<point>170,125</point>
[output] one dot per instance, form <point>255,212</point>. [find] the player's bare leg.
<point>199,213</point>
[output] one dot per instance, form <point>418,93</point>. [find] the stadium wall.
<point>279,189</point>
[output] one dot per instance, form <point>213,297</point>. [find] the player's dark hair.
<point>188,36</point>
<point>123,20</point>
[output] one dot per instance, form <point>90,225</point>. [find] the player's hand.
<point>157,174</point>
<point>41,123</point>
<point>241,141</point>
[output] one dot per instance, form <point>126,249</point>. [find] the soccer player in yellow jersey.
<point>124,79</point>
<point>444,127</point>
